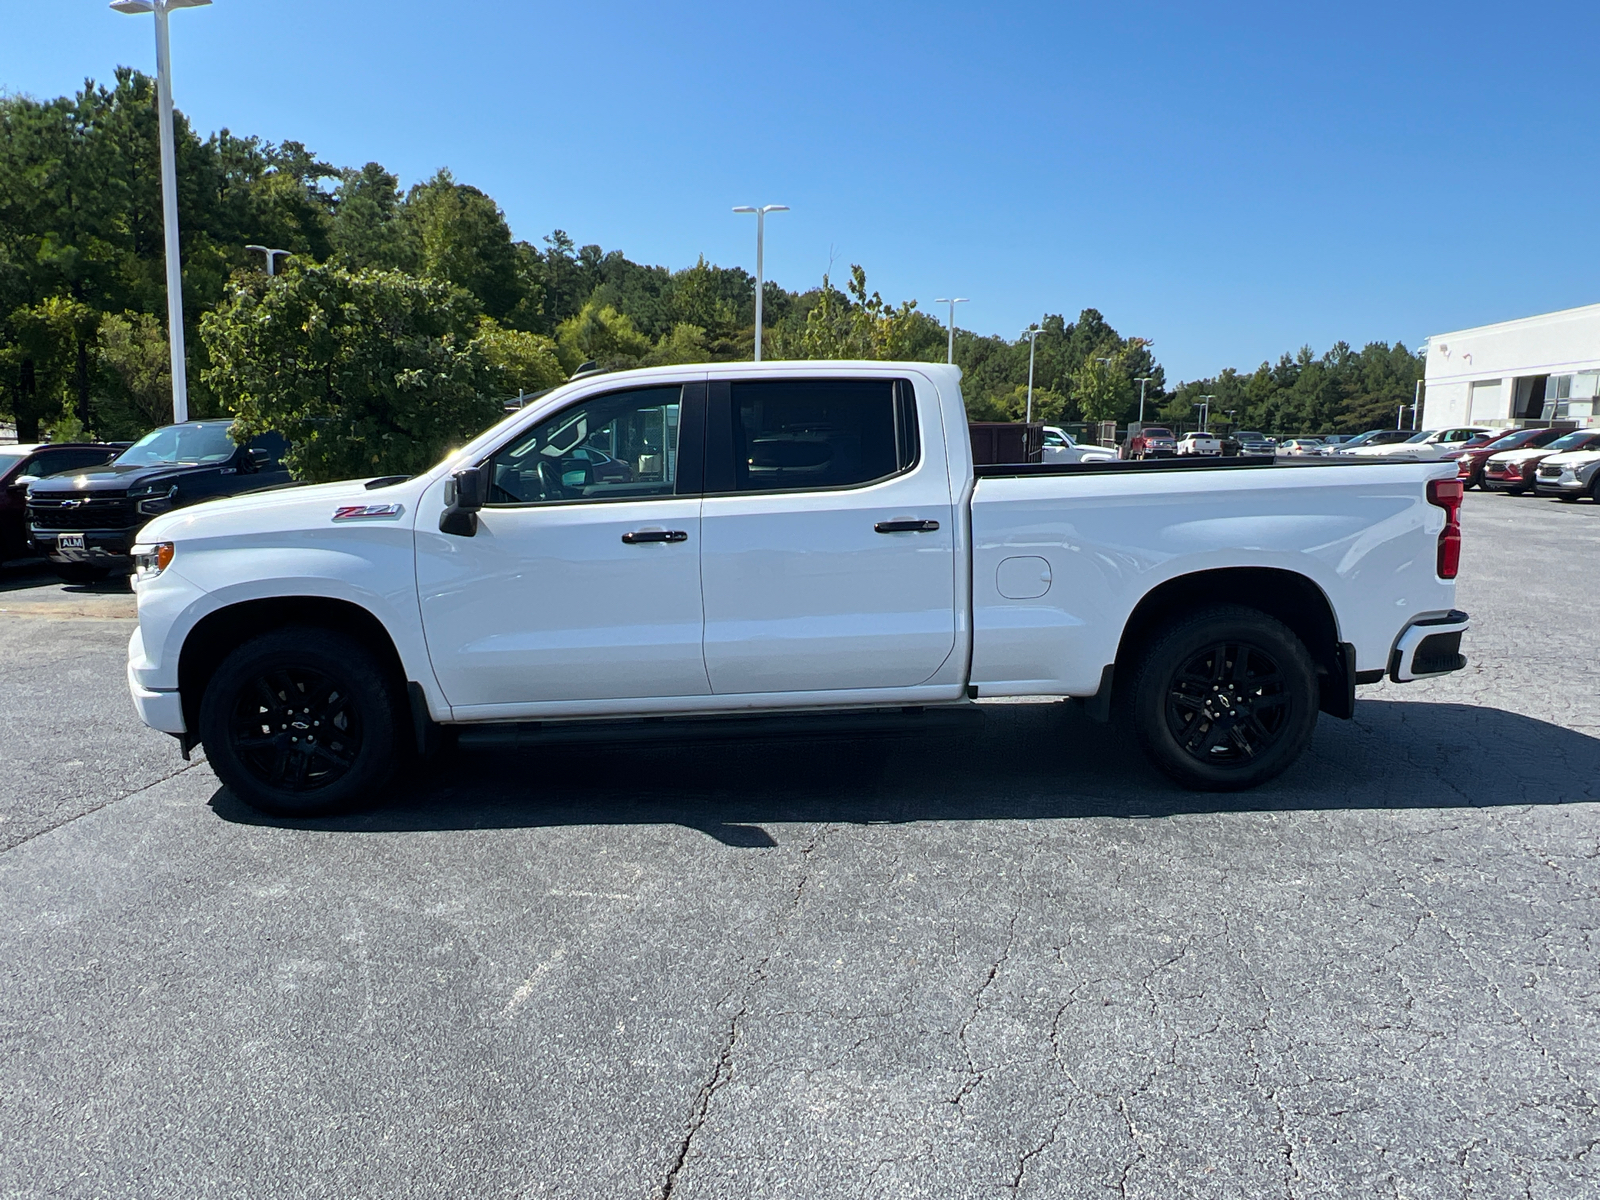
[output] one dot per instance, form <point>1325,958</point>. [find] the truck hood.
<point>286,509</point>
<point>114,478</point>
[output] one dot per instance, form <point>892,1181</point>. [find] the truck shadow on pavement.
<point>1016,762</point>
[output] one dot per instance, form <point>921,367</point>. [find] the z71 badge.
<point>365,512</point>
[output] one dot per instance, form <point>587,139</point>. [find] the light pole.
<point>950,354</point>
<point>1416,405</point>
<point>1033,337</point>
<point>761,224</point>
<point>1143,379</point>
<point>169,192</point>
<point>1205,410</point>
<point>272,257</point>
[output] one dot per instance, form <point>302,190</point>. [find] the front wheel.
<point>1224,700</point>
<point>300,722</point>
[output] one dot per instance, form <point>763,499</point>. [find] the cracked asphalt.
<point>999,961</point>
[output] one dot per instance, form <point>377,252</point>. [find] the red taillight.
<point>1447,493</point>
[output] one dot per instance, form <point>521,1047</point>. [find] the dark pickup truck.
<point>85,523</point>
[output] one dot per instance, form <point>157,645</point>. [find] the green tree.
<point>526,362</point>
<point>462,237</point>
<point>365,372</point>
<point>600,334</point>
<point>135,368</point>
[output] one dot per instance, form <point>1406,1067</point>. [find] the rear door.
<point>827,557</point>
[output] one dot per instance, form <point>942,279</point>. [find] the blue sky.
<point>1232,180</point>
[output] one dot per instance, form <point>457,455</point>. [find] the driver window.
<point>619,446</point>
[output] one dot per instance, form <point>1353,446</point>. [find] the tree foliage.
<point>366,372</point>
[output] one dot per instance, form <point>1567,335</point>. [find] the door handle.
<point>638,536</point>
<point>906,526</point>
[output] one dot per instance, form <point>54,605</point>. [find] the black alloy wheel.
<point>1227,704</point>
<point>296,729</point>
<point>1223,699</point>
<point>301,722</point>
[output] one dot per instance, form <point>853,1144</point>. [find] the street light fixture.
<point>272,257</point>
<point>1205,410</point>
<point>1143,379</point>
<point>1033,337</point>
<point>169,192</point>
<point>761,223</point>
<point>950,353</point>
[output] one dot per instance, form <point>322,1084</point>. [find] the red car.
<point>1153,441</point>
<point>1512,471</point>
<point>1469,465</point>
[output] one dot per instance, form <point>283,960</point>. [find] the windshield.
<point>10,454</point>
<point>1421,437</point>
<point>1512,441</point>
<point>1249,435</point>
<point>1575,441</point>
<point>1157,431</point>
<point>179,444</point>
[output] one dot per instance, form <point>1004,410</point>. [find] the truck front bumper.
<point>101,547</point>
<point>159,710</point>
<point>1429,646</point>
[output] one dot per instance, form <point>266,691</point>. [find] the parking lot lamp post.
<point>950,353</point>
<point>169,192</point>
<point>1205,410</point>
<point>1143,379</point>
<point>272,257</point>
<point>1033,337</point>
<point>1416,405</point>
<point>761,224</point>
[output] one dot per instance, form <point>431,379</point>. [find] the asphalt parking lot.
<point>1004,962</point>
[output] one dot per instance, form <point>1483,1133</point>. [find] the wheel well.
<point>218,633</point>
<point>1293,599</point>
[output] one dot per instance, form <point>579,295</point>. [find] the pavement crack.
<point>974,1075</point>
<point>78,816</point>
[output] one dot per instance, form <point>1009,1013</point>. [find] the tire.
<point>1567,497</point>
<point>1184,702</point>
<point>269,755</point>
<point>79,572</point>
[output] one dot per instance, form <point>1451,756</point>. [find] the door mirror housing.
<point>464,494</point>
<point>257,458</point>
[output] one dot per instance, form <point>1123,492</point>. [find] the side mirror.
<point>258,458</point>
<point>464,494</point>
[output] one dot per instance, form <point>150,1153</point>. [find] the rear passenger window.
<point>804,434</point>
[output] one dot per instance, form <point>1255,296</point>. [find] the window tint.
<point>619,446</point>
<point>797,434</point>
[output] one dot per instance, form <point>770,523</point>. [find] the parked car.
<point>1374,437</point>
<point>1060,447</point>
<point>1199,443</point>
<point>1514,471</point>
<point>1430,445</point>
<point>21,465</point>
<point>1152,441</point>
<point>1300,447</point>
<point>1470,463</point>
<point>1332,441</point>
<point>1251,442</point>
<point>1570,475</point>
<point>86,523</point>
<point>823,542</point>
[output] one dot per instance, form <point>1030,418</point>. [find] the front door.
<point>828,558</point>
<point>583,580</point>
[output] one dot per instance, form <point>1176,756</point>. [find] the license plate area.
<point>69,541</point>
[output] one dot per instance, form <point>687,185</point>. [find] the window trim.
<point>691,445</point>
<point>719,435</point>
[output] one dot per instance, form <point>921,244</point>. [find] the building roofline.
<point>1593,309</point>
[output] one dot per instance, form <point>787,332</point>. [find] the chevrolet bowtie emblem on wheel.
<point>361,512</point>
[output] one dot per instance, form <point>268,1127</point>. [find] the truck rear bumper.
<point>1429,646</point>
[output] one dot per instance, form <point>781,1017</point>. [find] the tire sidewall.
<point>1171,649</point>
<point>331,654</point>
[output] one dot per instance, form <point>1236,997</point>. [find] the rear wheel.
<point>1224,700</point>
<point>300,722</point>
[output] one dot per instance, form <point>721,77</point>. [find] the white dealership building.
<point>1532,371</point>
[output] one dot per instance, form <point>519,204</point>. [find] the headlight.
<point>154,498</point>
<point>150,561</point>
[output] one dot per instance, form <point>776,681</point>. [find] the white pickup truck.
<point>783,537</point>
